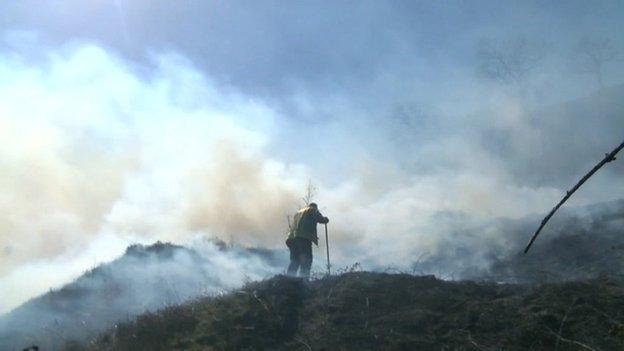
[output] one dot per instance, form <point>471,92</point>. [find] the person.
<point>301,235</point>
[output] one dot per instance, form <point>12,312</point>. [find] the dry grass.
<point>375,311</point>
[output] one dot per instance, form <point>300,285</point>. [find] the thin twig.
<point>266,307</point>
<point>300,340</point>
<point>563,320</point>
<point>367,312</point>
<point>331,289</point>
<point>471,340</point>
<point>578,343</point>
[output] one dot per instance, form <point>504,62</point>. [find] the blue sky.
<point>125,121</point>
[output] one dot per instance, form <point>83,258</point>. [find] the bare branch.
<point>310,193</point>
<point>608,158</point>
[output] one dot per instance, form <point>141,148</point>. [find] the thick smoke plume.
<point>437,135</point>
<point>94,155</point>
<point>99,151</point>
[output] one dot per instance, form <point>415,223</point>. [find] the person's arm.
<point>320,218</point>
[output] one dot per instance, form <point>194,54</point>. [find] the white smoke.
<point>97,153</point>
<point>90,149</point>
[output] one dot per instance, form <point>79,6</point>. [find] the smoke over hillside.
<point>581,243</point>
<point>145,278</point>
<point>111,155</point>
<point>578,243</point>
<point>134,121</point>
<point>86,170</point>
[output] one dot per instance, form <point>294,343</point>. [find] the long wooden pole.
<point>327,245</point>
<point>608,158</point>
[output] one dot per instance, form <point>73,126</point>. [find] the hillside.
<point>145,278</point>
<point>374,311</point>
<point>580,253</point>
<point>578,244</point>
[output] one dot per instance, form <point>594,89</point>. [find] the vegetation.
<point>373,311</point>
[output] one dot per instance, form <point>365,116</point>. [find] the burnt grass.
<point>378,311</point>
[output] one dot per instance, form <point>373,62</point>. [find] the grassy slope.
<point>372,311</point>
<point>145,278</point>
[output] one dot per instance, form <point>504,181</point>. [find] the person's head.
<point>313,205</point>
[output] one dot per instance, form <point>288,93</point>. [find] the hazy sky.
<point>141,120</point>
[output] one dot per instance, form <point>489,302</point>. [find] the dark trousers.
<point>300,257</point>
